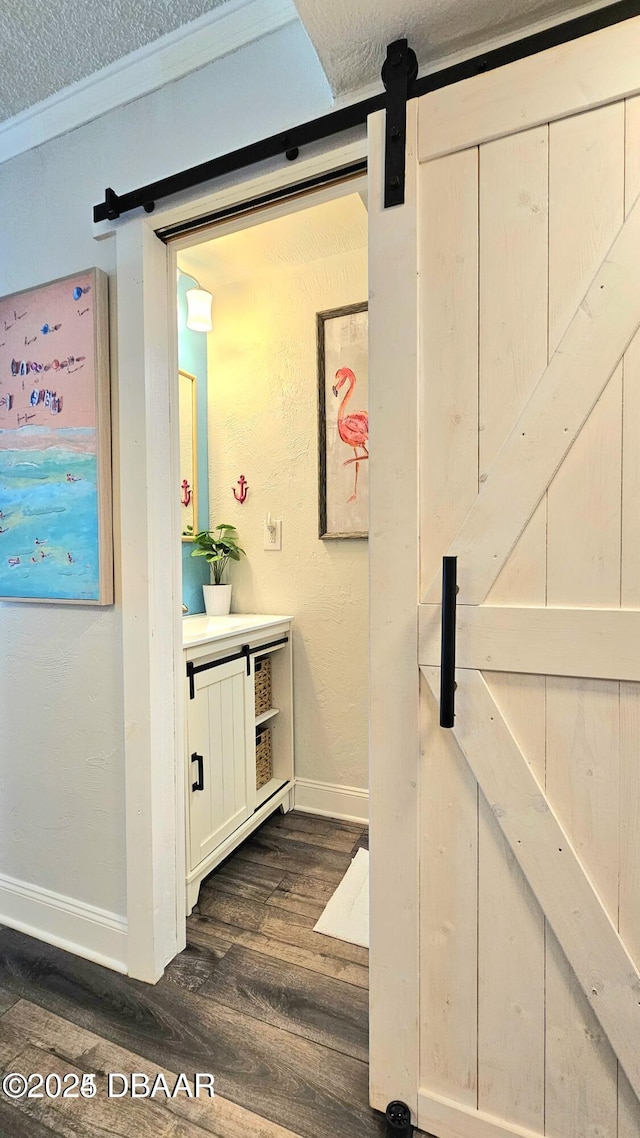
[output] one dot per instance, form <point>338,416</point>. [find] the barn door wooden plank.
<point>513,222</point>
<point>601,963</point>
<point>567,80</point>
<point>448,439</point>
<point>448,1119</point>
<point>448,259</point>
<point>630,581</point>
<point>575,377</point>
<point>394,705</point>
<point>594,643</point>
<point>629,888</point>
<point>583,568</point>
<point>629,921</point>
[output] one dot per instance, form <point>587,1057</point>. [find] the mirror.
<point>188,451</point>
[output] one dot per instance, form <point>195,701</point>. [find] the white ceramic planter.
<point>217,599</point>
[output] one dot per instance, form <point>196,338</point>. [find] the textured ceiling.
<point>46,45</point>
<point>351,37</point>
<point>323,230</point>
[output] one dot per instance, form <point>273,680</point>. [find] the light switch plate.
<point>273,536</point>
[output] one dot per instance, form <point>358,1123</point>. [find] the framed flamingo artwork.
<point>55,450</point>
<point>343,421</point>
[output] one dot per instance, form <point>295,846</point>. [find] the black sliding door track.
<point>346,118</point>
<point>246,651</point>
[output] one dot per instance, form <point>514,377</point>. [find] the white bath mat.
<point>347,914</point>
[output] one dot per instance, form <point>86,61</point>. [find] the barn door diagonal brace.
<point>399,71</point>
<point>604,968</point>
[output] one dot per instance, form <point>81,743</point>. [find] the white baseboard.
<point>448,1119</point>
<point>350,803</point>
<point>72,925</point>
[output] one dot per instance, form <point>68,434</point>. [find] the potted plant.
<point>218,546</point>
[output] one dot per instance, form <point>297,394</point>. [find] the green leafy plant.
<point>218,545</point>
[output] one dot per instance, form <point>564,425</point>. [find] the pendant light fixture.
<point>199,309</point>
<point>198,306</point>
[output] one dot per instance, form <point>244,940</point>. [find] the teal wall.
<point>192,357</point>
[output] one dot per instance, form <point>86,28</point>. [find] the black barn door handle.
<point>448,641</point>
<point>199,783</point>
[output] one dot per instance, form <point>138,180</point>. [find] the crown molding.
<point>223,30</point>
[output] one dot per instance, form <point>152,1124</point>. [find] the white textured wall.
<point>61,720</point>
<point>263,424</point>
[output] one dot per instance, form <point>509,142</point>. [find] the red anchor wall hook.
<point>242,482</point>
<point>186,492</point>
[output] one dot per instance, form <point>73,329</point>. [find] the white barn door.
<point>505,411</point>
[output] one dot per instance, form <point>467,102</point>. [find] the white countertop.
<point>201,629</point>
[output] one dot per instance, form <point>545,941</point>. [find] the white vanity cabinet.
<point>220,741</point>
<point>223,805</point>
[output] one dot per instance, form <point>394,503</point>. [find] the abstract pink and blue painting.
<point>55,500</point>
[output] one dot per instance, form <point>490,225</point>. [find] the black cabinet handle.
<point>448,641</point>
<point>199,783</point>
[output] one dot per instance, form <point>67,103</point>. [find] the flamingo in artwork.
<point>354,428</point>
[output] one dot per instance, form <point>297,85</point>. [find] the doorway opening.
<point>270,400</point>
<point>265,422</point>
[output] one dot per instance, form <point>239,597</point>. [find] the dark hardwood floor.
<point>276,1012</point>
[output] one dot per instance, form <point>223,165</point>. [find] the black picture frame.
<point>322,319</point>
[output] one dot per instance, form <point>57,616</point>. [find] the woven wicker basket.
<point>262,680</point>
<point>264,768</point>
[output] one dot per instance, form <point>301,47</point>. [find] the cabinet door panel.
<point>218,721</point>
